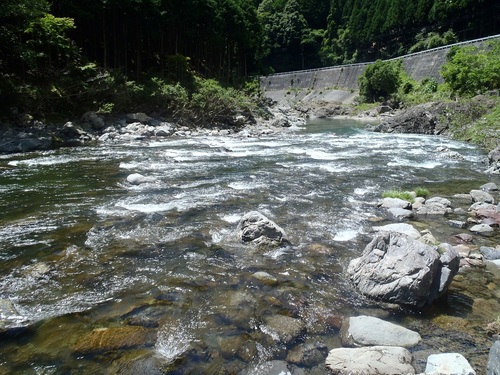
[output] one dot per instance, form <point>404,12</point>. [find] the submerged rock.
<point>448,364</point>
<point>308,355</point>
<point>371,331</point>
<point>381,360</point>
<point>395,268</point>
<point>108,339</point>
<point>259,230</point>
<point>283,328</point>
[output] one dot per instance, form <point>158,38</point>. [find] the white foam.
<point>231,218</point>
<point>345,235</point>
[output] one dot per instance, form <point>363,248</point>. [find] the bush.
<point>471,70</point>
<point>166,98</point>
<point>213,104</point>
<point>381,79</point>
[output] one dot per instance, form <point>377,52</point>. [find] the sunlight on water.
<point>78,242</point>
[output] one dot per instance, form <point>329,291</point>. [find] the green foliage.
<point>471,70</point>
<point>381,79</point>
<point>167,98</point>
<point>433,39</point>
<point>404,195</point>
<point>213,104</point>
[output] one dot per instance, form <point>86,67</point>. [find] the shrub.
<point>471,70</point>
<point>211,103</point>
<point>381,79</point>
<point>167,98</point>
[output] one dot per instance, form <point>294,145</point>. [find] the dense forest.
<point>53,54</point>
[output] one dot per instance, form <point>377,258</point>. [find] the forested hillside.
<point>54,55</point>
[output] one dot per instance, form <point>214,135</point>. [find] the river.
<point>156,266</point>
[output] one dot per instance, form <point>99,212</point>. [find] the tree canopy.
<point>67,48</point>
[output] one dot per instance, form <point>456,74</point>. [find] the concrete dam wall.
<point>339,83</point>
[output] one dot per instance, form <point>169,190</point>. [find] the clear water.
<point>81,249</point>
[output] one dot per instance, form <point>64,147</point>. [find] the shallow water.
<point>81,249</point>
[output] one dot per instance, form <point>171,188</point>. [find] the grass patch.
<point>422,192</point>
<point>485,131</point>
<point>404,195</point>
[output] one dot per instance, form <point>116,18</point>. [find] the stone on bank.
<point>371,331</point>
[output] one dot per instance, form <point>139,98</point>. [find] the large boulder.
<point>259,230</point>
<point>395,268</point>
<point>382,360</point>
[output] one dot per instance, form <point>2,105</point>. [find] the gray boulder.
<point>435,206</point>
<point>395,268</point>
<point>381,360</point>
<point>490,253</point>
<point>94,120</point>
<point>407,229</point>
<point>399,213</point>
<point>448,364</point>
<point>394,203</point>
<point>259,230</point>
<point>371,331</point>
<point>490,186</point>
<point>482,229</point>
<point>494,161</point>
<point>481,196</point>
<point>493,367</point>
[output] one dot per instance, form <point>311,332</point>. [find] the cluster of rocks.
<point>374,346</point>
<point>475,212</point>
<point>30,135</point>
<point>405,266</point>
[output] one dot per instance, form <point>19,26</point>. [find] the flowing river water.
<point>110,278</point>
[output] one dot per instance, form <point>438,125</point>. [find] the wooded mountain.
<point>74,42</point>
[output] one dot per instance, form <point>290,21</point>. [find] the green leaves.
<point>380,79</point>
<point>471,70</point>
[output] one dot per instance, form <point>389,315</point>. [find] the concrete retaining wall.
<point>345,77</point>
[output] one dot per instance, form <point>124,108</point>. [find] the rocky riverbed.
<point>466,223</point>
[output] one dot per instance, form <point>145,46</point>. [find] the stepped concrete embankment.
<point>340,83</point>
